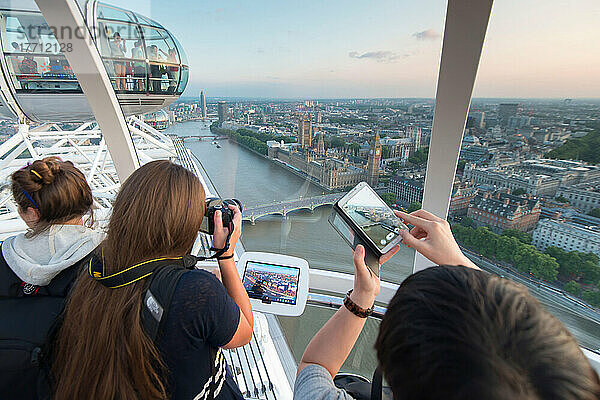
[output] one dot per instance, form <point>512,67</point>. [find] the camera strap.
<point>219,252</point>
<point>97,269</point>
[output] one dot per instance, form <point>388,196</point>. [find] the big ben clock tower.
<point>374,161</point>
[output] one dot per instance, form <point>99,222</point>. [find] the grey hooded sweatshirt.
<point>39,259</point>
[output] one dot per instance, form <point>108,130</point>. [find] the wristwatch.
<point>355,308</point>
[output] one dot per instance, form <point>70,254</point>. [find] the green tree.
<point>354,148</point>
<point>591,297</point>
<point>506,247</point>
<point>521,236</point>
<point>569,262</point>
<point>590,272</point>
<point>460,167</point>
<point>468,222</point>
<point>385,152</point>
<point>419,157</point>
<point>573,288</point>
<point>595,213</point>
<point>337,142</point>
<point>519,192</point>
<point>414,206</point>
<point>389,198</point>
<point>584,148</point>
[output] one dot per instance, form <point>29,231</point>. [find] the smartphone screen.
<point>347,233</point>
<point>373,216</point>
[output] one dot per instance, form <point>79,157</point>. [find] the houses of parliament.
<point>332,171</point>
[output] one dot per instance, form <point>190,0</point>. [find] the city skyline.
<point>264,50</point>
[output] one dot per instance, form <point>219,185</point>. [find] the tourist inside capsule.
<point>451,332</point>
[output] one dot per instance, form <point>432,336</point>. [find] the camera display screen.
<point>271,282</point>
<point>373,216</point>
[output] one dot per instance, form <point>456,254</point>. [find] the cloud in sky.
<point>379,56</point>
<point>428,34</point>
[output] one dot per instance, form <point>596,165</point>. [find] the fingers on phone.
<point>413,219</point>
<point>426,215</point>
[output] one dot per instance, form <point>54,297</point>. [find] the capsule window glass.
<point>185,73</point>
<point>34,56</point>
<point>163,61</point>
<point>123,53</point>
<point>147,21</point>
<point>107,12</point>
<point>182,54</point>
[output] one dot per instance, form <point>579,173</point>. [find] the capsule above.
<point>146,64</point>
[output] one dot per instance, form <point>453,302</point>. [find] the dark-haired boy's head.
<point>459,333</point>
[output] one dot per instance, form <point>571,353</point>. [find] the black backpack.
<point>157,297</point>
<point>28,320</point>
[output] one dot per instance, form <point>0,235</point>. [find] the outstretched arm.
<point>332,344</point>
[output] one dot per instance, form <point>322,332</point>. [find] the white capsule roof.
<point>146,64</point>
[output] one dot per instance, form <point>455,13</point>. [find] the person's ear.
<point>31,216</point>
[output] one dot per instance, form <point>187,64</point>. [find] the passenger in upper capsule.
<point>117,50</point>
<point>104,348</point>
<point>451,332</point>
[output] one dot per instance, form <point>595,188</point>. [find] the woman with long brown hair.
<point>102,350</point>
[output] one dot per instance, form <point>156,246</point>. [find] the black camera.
<point>212,205</point>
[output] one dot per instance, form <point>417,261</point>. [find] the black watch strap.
<point>355,308</point>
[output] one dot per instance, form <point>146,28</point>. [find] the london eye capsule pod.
<point>146,65</point>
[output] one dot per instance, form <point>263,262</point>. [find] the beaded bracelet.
<point>355,308</point>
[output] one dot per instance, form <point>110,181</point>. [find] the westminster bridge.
<point>284,207</point>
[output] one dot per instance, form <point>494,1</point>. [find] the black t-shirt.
<point>202,317</point>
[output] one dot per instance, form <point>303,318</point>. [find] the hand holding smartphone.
<point>362,217</point>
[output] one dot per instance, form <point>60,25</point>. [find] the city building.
<point>202,104</point>
<point>462,195</point>
<point>472,150</point>
<point>479,119</point>
<point>500,211</point>
<point>505,111</point>
<point>321,144</point>
<point>414,132</point>
<point>222,111</point>
<point>406,190</point>
<point>533,184</point>
<point>374,162</point>
<point>568,236</point>
<point>305,131</point>
<point>584,196</point>
<point>409,191</point>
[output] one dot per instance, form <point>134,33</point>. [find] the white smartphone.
<point>371,217</point>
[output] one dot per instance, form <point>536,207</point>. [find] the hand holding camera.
<point>223,216</point>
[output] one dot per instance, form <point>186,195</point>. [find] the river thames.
<point>237,172</point>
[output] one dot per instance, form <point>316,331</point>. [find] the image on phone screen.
<point>271,283</point>
<point>366,209</point>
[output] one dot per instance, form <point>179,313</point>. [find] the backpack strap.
<point>157,298</point>
<point>12,286</point>
<point>377,385</point>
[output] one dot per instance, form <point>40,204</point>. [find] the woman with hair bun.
<point>38,268</point>
<point>53,198</point>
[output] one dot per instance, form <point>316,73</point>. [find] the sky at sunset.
<point>384,48</point>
